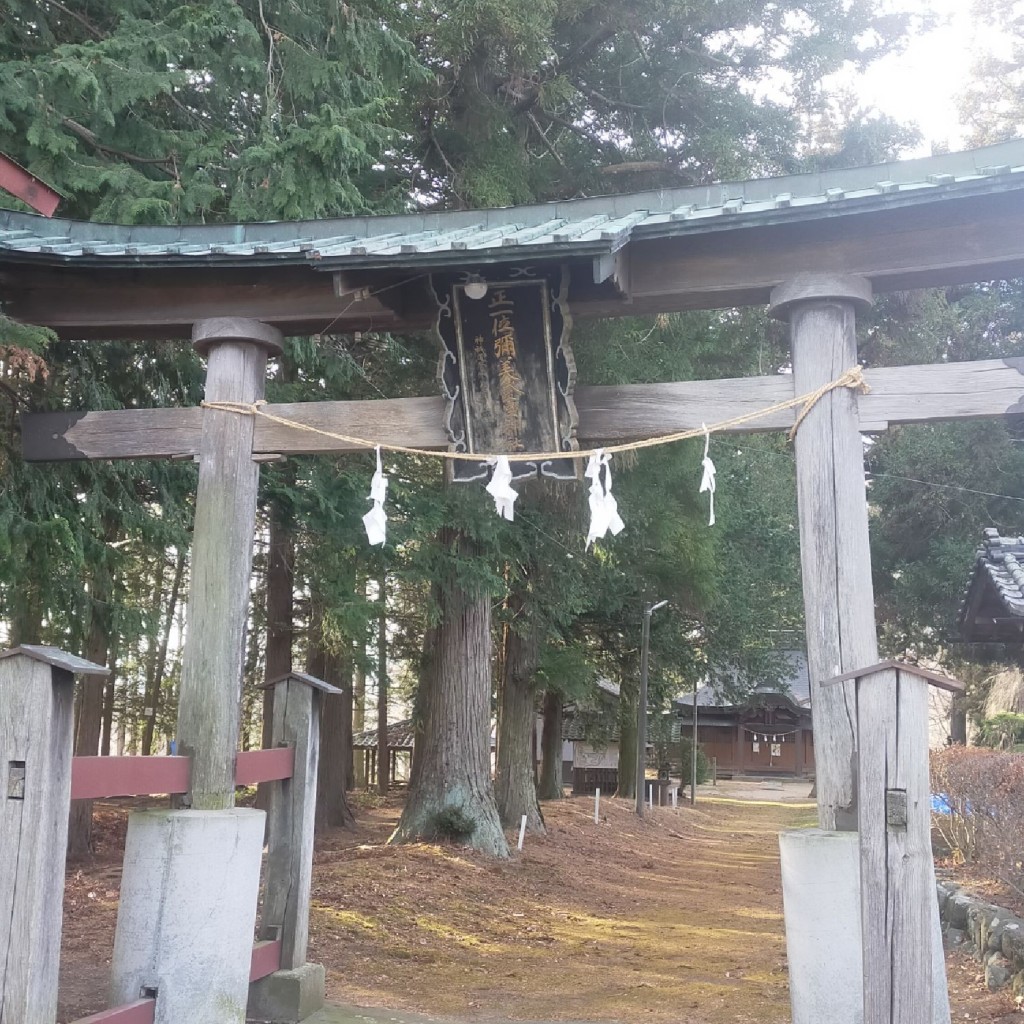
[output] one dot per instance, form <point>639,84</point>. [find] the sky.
<point>921,84</point>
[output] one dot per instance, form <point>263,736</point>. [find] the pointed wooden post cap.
<point>58,659</point>
<point>932,678</point>
<point>301,677</point>
<point>816,287</point>
<point>216,329</point>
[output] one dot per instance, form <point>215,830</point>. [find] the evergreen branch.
<point>529,100</point>
<point>610,103</point>
<point>641,49</point>
<point>167,162</point>
<point>271,87</point>
<point>440,152</point>
<point>581,132</point>
<point>80,18</point>
<point>637,167</point>
<point>586,50</point>
<point>544,139</point>
<point>13,397</point>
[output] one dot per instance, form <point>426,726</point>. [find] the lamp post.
<point>693,751</point>
<point>641,713</point>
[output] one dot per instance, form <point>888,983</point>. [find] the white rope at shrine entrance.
<point>852,379</point>
<point>604,514</point>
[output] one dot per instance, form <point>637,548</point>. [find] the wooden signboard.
<point>507,373</point>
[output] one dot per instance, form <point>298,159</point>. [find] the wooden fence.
<point>98,778</point>
<point>36,726</point>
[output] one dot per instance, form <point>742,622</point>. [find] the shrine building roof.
<point>589,227</point>
<point>401,736</point>
<point>794,684</point>
<point>993,606</point>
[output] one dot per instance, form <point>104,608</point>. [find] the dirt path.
<point>673,919</point>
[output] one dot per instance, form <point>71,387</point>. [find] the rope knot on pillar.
<point>852,379</point>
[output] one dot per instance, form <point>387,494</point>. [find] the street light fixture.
<point>641,712</point>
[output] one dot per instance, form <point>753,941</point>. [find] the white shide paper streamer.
<point>500,488</point>
<point>707,481</point>
<point>604,510</point>
<point>376,520</point>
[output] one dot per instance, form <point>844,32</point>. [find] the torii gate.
<point>814,247</point>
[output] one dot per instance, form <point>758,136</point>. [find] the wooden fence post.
<point>897,881</point>
<point>297,989</point>
<point>36,726</point>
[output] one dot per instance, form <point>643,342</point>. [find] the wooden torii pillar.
<point>191,876</point>
<point>835,554</point>
<point>221,567</point>
<point>839,612</point>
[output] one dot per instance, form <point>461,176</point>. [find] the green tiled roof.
<point>590,227</point>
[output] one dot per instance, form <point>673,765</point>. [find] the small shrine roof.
<point>993,606</point>
<point>401,736</point>
<point>58,659</point>
<point>590,227</point>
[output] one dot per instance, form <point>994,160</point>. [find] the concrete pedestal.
<point>821,894</point>
<point>287,997</point>
<point>187,913</point>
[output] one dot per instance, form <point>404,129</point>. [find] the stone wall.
<point>991,934</point>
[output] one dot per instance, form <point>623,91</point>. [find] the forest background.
<point>155,111</point>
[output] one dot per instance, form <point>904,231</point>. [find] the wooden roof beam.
<point>157,305</point>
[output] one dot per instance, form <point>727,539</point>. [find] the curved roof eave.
<point>577,228</point>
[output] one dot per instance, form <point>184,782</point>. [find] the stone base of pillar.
<point>287,997</point>
<point>821,894</point>
<point>187,913</point>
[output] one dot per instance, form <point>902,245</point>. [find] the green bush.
<point>454,824</point>
<point>703,765</point>
<point>1004,731</point>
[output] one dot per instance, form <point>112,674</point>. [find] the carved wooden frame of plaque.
<point>449,292</point>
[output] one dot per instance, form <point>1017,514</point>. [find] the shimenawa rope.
<point>852,379</point>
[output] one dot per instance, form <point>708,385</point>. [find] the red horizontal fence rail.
<point>142,1011</point>
<point>96,778</point>
<point>93,778</point>
<point>266,959</point>
<point>252,766</point>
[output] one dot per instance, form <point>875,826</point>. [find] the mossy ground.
<point>674,918</point>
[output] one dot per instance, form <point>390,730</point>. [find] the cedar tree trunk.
<point>383,752</point>
<point>451,765</point>
<point>550,785</point>
<point>90,717</point>
<point>278,658</point>
<point>332,808</point>
<point>160,661</point>
<point>515,791</point>
<point>359,721</point>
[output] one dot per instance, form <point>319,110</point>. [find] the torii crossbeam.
<point>814,247</point>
